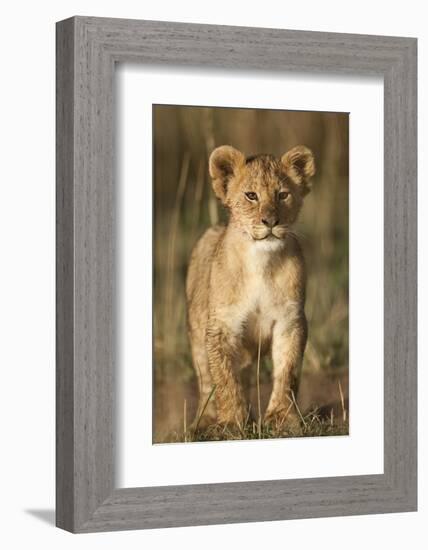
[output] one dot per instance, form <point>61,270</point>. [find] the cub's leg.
<point>224,353</point>
<point>288,345</point>
<point>206,413</point>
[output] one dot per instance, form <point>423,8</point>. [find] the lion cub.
<point>246,284</point>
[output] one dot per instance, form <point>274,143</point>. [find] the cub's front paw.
<point>284,421</point>
<point>237,419</point>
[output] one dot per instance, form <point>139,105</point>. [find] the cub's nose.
<point>270,222</point>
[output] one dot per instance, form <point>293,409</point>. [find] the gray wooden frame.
<point>87,50</point>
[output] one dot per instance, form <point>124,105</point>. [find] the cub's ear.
<point>299,164</point>
<point>223,163</point>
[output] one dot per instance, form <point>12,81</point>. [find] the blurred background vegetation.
<point>185,206</point>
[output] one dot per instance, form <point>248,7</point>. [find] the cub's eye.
<point>251,196</point>
<point>283,195</point>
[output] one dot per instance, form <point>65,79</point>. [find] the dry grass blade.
<point>285,415</point>
<point>240,427</point>
<point>248,416</point>
<point>185,421</point>
<point>171,258</point>
<point>208,131</point>
<point>293,400</point>
<point>199,376</point>
<point>200,180</point>
<point>259,419</point>
<point>342,400</point>
<point>204,407</point>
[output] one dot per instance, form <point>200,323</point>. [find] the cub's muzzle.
<point>260,232</point>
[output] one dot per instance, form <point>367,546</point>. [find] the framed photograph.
<point>236,274</point>
<point>267,217</point>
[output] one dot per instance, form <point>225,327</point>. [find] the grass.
<point>184,206</point>
<point>314,426</point>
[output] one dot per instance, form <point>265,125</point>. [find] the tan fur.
<point>247,280</point>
